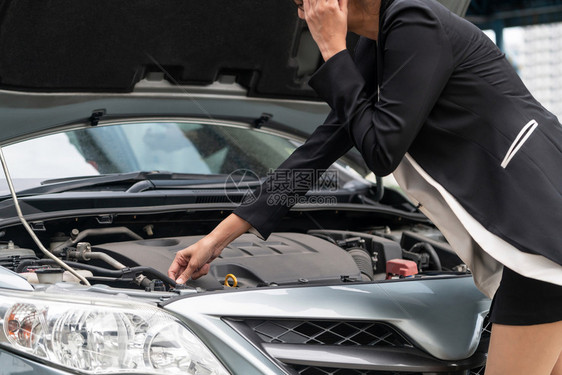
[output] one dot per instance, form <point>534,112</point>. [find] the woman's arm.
<point>325,145</point>
<point>328,143</point>
<point>193,261</point>
<point>417,62</point>
<point>278,193</point>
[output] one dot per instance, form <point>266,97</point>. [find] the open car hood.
<point>63,60</point>
<point>110,45</point>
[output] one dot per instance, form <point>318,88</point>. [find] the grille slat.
<point>327,333</point>
<point>478,371</point>
<point>305,370</point>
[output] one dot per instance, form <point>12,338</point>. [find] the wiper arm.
<point>208,182</point>
<point>70,183</point>
<point>140,181</point>
<point>133,176</point>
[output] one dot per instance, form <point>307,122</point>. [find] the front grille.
<point>486,329</point>
<point>305,370</point>
<point>321,332</point>
<point>478,371</point>
<point>484,342</point>
<point>308,370</point>
<point>280,337</point>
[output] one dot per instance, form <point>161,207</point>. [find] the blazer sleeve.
<point>417,61</point>
<point>328,142</point>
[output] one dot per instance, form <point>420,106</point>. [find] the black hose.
<point>155,274</point>
<point>370,201</point>
<point>148,271</point>
<point>431,251</point>
<point>379,192</point>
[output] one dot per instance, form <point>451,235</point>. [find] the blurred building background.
<point>529,32</point>
<point>536,53</point>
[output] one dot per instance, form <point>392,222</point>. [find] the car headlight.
<point>97,336</point>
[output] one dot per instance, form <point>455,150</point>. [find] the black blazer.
<point>449,101</point>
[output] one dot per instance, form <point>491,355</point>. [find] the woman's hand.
<point>327,22</point>
<point>193,261</point>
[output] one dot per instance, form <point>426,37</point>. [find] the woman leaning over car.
<point>429,97</point>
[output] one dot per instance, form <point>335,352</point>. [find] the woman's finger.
<point>173,271</point>
<point>201,271</point>
<point>343,5</point>
<point>307,5</point>
<point>192,267</point>
<point>326,4</point>
<point>177,266</point>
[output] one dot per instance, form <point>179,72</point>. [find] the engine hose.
<point>92,255</point>
<point>28,228</point>
<point>149,271</point>
<point>95,232</point>
<point>431,251</point>
<point>364,263</point>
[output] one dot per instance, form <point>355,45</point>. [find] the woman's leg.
<point>525,350</point>
<point>558,367</point>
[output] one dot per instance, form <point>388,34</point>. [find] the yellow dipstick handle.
<point>230,277</point>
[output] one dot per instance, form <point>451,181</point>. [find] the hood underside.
<point>110,45</point>
<point>63,61</point>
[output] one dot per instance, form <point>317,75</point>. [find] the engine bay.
<point>315,257</point>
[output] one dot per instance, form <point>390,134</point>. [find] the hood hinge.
<point>96,116</point>
<point>264,118</point>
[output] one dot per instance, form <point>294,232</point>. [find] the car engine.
<point>285,258</point>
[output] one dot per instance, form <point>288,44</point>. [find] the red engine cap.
<point>401,267</point>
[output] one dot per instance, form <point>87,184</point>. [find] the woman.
<point>429,97</point>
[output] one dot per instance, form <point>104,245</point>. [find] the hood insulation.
<point>109,45</point>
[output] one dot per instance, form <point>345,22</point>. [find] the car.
<point>129,130</point>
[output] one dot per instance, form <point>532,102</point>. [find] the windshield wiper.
<point>138,181</point>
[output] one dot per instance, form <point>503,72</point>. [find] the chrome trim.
<point>367,358</point>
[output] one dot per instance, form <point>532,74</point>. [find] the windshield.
<point>180,147</point>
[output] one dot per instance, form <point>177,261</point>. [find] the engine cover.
<point>285,258</point>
